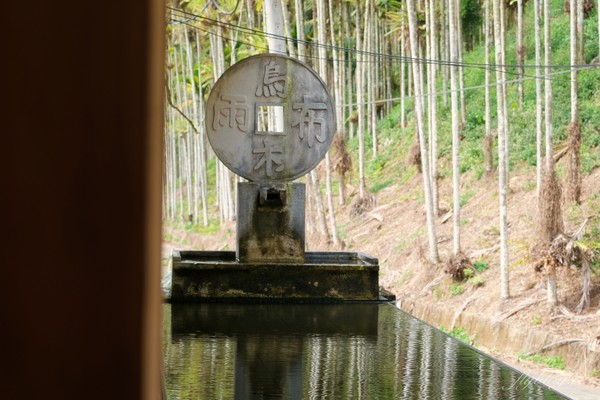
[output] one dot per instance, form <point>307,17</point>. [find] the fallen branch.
<point>434,282</point>
<point>518,308</point>
<point>478,253</point>
<point>555,345</point>
<point>560,154</point>
<point>462,308</point>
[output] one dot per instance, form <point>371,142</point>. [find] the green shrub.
<point>480,265</point>
<point>456,289</point>
<point>477,281</point>
<point>556,362</point>
<point>458,333</point>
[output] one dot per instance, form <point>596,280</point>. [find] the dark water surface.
<point>323,351</point>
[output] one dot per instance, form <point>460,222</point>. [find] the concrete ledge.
<point>324,276</point>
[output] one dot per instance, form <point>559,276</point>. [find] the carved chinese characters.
<point>273,83</point>
<point>270,118</point>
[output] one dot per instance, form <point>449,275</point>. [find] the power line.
<point>439,93</point>
<point>222,24</point>
<point>464,89</point>
<point>314,57</point>
<point>193,16</point>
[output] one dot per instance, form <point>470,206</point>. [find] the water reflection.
<point>303,351</point>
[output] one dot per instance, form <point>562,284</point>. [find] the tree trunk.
<point>461,71</point>
<point>520,52</point>
<point>574,131</point>
<point>202,148</point>
<point>489,138</point>
<point>580,35</point>
<point>338,98</point>
<point>551,286</point>
<point>287,29</point>
<point>274,26</point>
<point>452,12</point>
<point>412,23</point>
<point>318,201</point>
<point>502,156</point>
<point>403,73</point>
<point>300,29</point>
<point>444,53</point>
<point>371,31</point>
<point>433,137</point>
<point>539,95</point>
<point>321,34</point>
<point>192,142</point>
<point>360,99</point>
<point>548,86</point>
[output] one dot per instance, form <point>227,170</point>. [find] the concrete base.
<point>217,276</point>
<point>270,222</point>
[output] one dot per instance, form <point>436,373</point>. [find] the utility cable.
<point>214,22</point>
<point>404,59</point>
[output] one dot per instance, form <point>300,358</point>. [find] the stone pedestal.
<point>270,225</point>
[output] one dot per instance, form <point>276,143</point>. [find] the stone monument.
<point>271,120</point>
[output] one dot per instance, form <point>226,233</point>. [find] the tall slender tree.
<point>550,213</point>
<point>360,98</point>
<point>489,137</point>
<point>574,130</point>
<point>520,52</point>
<point>431,229</point>
<point>502,153</point>
<point>453,29</point>
<point>433,117</point>
<point>461,70</point>
<point>321,37</point>
<point>539,102</point>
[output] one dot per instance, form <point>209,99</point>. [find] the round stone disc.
<point>270,118</point>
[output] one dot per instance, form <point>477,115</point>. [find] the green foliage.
<point>458,333</point>
<point>464,197</point>
<point>378,163</point>
<point>381,185</point>
<point>456,289</point>
<point>480,265</point>
<point>536,319</point>
<point>477,281</point>
<point>556,362</point>
<point>470,13</point>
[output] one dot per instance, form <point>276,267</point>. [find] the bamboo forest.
<point>466,154</point>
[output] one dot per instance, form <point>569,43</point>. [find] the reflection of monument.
<point>273,342</point>
<point>270,119</point>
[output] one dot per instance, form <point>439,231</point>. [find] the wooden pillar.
<point>80,200</point>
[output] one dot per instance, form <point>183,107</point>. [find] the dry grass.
<point>361,205</point>
<point>574,165</point>
<point>342,162</point>
<point>550,220</point>
<point>413,157</point>
<point>488,155</point>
